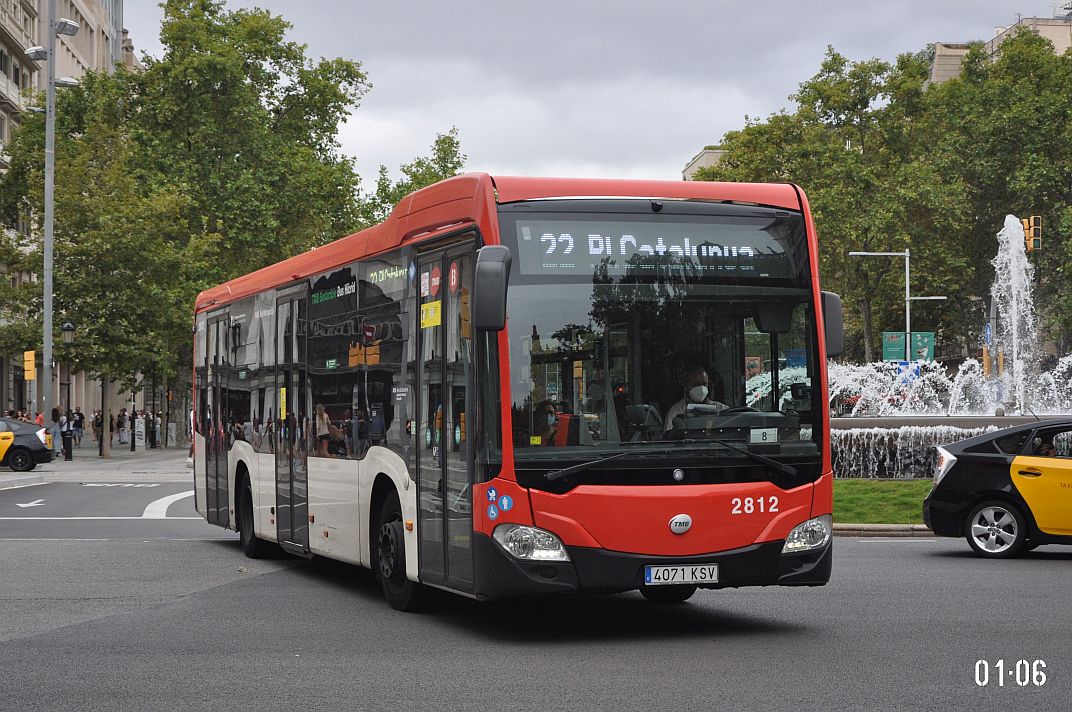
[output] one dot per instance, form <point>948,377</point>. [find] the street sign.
<point>922,346</point>
<point>893,346</point>
<point>988,335</point>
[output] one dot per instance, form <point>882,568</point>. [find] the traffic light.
<point>1033,232</point>
<point>29,365</point>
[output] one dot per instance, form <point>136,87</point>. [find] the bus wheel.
<point>667,594</point>
<point>390,563</point>
<point>252,546</point>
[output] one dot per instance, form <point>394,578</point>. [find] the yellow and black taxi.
<point>23,445</point>
<point>1007,491</point>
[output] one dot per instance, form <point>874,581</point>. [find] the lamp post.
<point>908,298</point>
<point>68,339</point>
<point>56,27</point>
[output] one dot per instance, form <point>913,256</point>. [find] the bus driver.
<point>696,385</point>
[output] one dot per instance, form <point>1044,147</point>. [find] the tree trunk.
<point>865,315</point>
<point>106,420</point>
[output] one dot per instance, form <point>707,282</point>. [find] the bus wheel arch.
<point>245,519</point>
<point>387,541</point>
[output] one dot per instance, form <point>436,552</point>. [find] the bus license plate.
<point>662,575</point>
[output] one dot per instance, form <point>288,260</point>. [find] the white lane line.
<point>895,540</point>
<point>60,519</point>
<point>157,509</point>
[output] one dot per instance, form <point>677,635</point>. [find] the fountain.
<point>889,416</point>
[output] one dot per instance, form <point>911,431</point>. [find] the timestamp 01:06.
<point>1015,672</point>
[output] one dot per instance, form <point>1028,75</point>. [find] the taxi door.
<point>5,441</point>
<point>1045,481</point>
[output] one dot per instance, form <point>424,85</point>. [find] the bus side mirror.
<point>835,328</point>
<point>489,287</point>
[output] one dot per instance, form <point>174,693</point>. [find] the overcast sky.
<point>616,88</point>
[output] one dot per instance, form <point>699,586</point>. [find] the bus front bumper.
<point>589,570</point>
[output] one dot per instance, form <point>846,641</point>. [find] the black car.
<point>1007,491</point>
<point>23,445</point>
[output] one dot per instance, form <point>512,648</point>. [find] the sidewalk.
<point>160,465</point>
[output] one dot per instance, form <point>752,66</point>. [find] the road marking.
<point>894,539</point>
<point>35,503</point>
<point>60,519</point>
<point>157,509</point>
<point>120,484</point>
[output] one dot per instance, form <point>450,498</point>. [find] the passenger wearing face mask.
<point>546,418</point>
<point>697,387</point>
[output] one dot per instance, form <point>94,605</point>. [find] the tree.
<point>220,158</point>
<point>854,144</point>
<point>446,161</point>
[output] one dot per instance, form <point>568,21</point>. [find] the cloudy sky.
<point>615,88</point>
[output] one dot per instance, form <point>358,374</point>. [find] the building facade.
<point>100,44</point>
<point>948,57</point>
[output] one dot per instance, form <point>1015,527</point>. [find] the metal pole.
<point>907,308</point>
<point>50,180</point>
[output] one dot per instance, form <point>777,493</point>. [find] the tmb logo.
<point>681,523</point>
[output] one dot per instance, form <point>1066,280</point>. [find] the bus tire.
<point>664,595</point>
<point>252,546</point>
<point>389,559</point>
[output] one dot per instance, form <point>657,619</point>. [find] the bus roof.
<point>472,198</point>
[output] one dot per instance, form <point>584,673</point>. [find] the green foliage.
<point>864,501</point>
<point>889,162</point>
<point>220,158</point>
<point>445,161</point>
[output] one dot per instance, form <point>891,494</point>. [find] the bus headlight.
<point>530,543</point>
<point>812,534</point>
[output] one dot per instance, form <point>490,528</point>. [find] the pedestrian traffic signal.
<point>1033,232</point>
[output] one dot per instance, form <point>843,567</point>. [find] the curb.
<point>12,481</point>
<point>905,530</point>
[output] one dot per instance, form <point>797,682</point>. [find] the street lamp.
<point>56,27</point>
<point>908,298</point>
<point>68,339</point>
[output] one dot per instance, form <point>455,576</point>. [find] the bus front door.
<point>444,469</point>
<point>292,431</point>
<point>214,427</point>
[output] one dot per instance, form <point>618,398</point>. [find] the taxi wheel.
<point>996,530</point>
<point>20,460</point>
<point>667,594</point>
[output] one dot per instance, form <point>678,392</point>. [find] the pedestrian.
<point>79,425</point>
<point>121,423</point>
<point>40,419</point>
<point>97,423</point>
<point>54,429</point>
<point>111,427</point>
<point>66,434</point>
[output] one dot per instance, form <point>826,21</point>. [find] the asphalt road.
<point>144,613</point>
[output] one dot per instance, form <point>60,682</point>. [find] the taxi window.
<point>1052,443</point>
<point>1013,443</point>
<point>5,427</point>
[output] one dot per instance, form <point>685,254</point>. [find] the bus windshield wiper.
<point>567,471</point>
<point>763,459</point>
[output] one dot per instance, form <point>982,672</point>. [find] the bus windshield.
<point>689,324</point>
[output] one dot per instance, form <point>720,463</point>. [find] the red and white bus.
<point>532,385</point>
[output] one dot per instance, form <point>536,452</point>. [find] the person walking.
<point>54,429</point>
<point>78,426</point>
